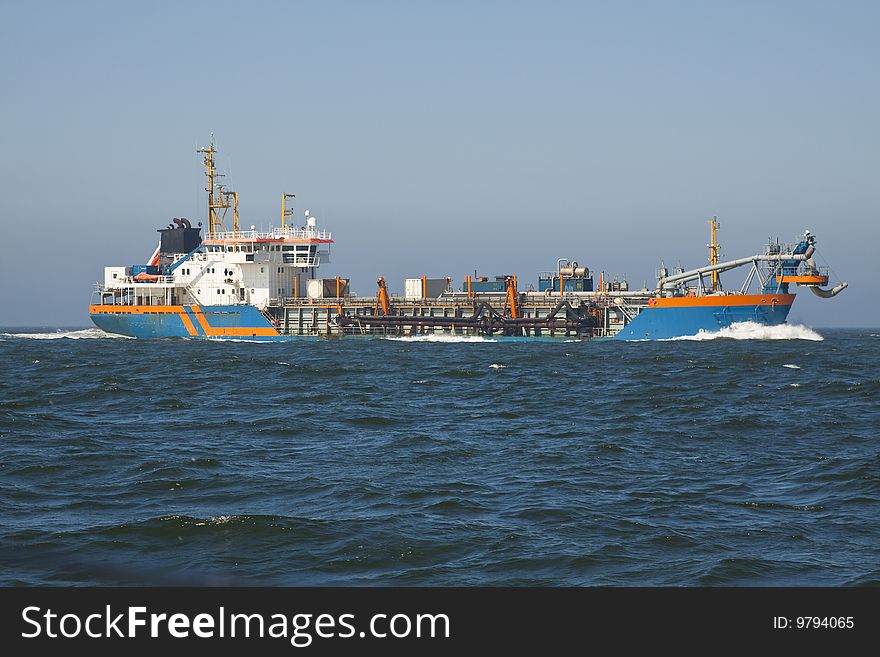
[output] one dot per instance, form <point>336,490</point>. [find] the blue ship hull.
<point>666,323</point>
<point>682,317</point>
<point>212,322</point>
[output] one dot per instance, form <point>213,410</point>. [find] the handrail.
<point>272,234</point>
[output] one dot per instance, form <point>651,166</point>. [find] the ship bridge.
<point>300,247</point>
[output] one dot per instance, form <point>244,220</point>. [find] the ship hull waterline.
<point>682,318</point>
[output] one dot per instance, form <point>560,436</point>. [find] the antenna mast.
<point>284,211</point>
<point>218,200</point>
<point>713,249</point>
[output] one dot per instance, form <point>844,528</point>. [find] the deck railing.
<point>289,232</point>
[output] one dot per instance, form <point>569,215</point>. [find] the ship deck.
<point>537,316</point>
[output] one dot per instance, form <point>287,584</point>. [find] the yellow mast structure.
<point>234,196</point>
<point>217,198</point>
<point>284,211</point>
<point>713,249</point>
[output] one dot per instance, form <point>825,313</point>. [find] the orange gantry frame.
<point>512,296</point>
<point>382,298</point>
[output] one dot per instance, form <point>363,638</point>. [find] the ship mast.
<point>217,198</point>
<point>713,249</point>
<point>234,196</point>
<point>284,211</point>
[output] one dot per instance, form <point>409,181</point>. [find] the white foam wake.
<point>82,334</point>
<point>440,337</point>
<point>755,331</point>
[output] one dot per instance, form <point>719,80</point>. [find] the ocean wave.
<point>755,331</point>
<point>79,334</point>
<point>215,520</point>
<point>323,472</point>
<point>239,340</point>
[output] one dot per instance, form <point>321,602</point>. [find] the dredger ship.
<point>263,285</point>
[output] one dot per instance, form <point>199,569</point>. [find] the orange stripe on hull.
<point>229,332</point>
<point>187,322</point>
<point>723,300</point>
<point>135,310</point>
<point>225,332</point>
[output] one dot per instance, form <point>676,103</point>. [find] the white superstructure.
<point>227,267</point>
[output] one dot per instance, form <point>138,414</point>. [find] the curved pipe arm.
<point>827,294</point>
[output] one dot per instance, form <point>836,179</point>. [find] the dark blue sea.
<point>751,458</point>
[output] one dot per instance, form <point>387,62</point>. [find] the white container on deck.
<point>428,288</point>
<point>325,288</point>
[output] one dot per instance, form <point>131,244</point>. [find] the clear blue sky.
<point>439,137</point>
